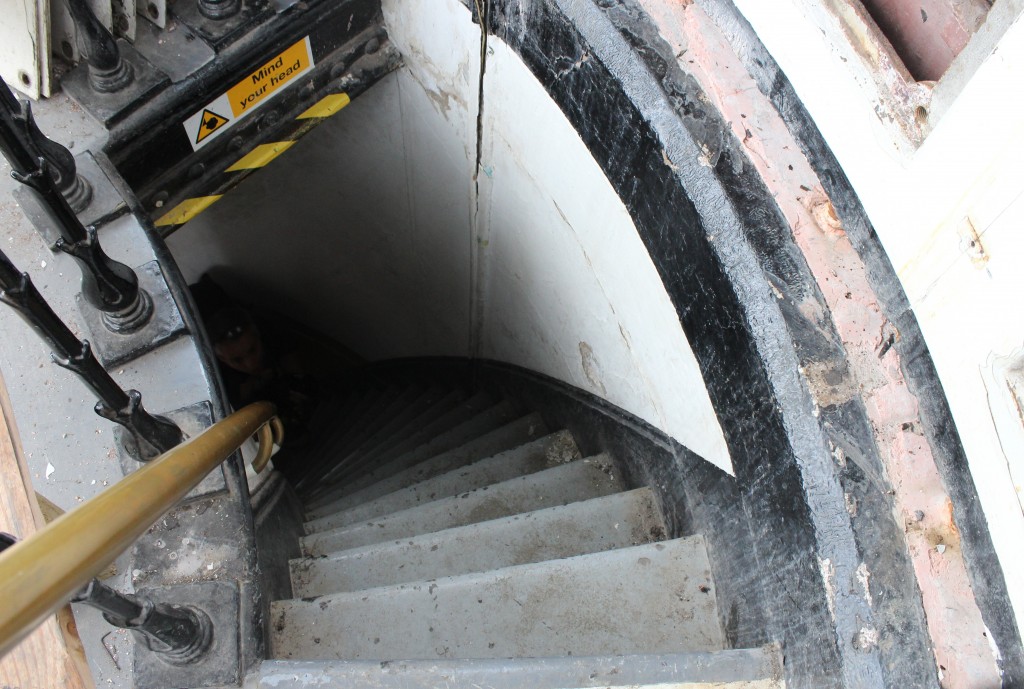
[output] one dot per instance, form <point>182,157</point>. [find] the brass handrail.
<point>41,573</point>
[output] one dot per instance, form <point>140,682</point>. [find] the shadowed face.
<point>243,353</point>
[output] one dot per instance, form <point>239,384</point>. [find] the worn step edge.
<point>579,480</point>
<point>612,521</point>
<point>417,485</point>
<point>754,668</point>
<point>653,598</point>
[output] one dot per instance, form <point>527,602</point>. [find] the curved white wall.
<point>536,263</point>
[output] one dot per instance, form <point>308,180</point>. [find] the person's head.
<point>237,341</point>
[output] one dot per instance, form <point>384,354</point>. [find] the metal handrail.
<point>43,572</point>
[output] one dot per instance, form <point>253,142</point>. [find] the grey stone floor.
<point>69,449</point>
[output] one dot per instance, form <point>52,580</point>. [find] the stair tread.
<point>757,668</point>
<point>432,405</point>
<point>407,405</point>
<point>612,521</point>
<point>364,411</point>
<point>578,480</point>
<point>476,425</point>
<point>652,598</point>
<point>409,469</point>
<point>413,489</point>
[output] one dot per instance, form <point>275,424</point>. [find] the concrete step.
<point>427,443</point>
<point>758,668</point>
<point>363,412</point>
<point>561,485</point>
<point>619,520</point>
<point>416,422</point>
<point>432,424</point>
<point>653,598</point>
<point>415,485</point>
<point>483,436</point>
<point>381,416</point>
<point>406,410</point>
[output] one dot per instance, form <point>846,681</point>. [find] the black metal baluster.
<point>153,435</point>
<point>219,9</point>
<point>73,186</point>
<point>181,634</point>
<point>108,71</point>
<point>109,286</point>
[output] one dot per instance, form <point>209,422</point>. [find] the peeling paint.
<point>863,576</point>
<point>875,373</point>
<point>828,578</point>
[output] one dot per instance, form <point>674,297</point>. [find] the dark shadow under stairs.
<point>454,540</point>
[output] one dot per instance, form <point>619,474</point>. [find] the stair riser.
<point>378,433</point>
<point>432,432</point>
<point>498,435</point>
<point>532,457</point>
<point>408,425</point>
<point>616,521</point>
<point>362,413</point>
<point>580,480</point>
<point>337,483</point>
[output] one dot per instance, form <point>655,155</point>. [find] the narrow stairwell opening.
<point>592,421</point>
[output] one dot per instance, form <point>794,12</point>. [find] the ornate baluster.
<point>181,634</point>
<point>73,186</point>
<point>109,286</point>
<point>153,435</point>
<point>219,9</point>
<point>108,71</point>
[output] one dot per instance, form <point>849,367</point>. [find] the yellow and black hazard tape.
<point>258,157</point>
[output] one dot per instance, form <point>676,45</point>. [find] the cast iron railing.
<point>57,564</point>
<point>107,285</point>
<point>153,435</point>
<point>108,71</point>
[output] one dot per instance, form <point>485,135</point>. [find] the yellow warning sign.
<point>271,76</point>
<point>209,123</point>
<point>257,89</point>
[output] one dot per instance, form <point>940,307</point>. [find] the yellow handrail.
<point>41,573</point>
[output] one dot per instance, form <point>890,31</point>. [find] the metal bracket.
<point>220,665</point>
<point>164,325</point>
<point>192,420</point>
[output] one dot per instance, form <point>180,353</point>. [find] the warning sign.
<point>249,94</point>
<point>210,122</point>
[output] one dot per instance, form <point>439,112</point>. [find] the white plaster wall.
<point>384,225</point>
<point>966,298</point>
<point>333,234</point>
<point>572,291</point>
<point>564,285</point>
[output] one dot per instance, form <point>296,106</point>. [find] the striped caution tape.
<point>258,157</point>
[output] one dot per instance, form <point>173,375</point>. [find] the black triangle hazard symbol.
<point>209,123</point>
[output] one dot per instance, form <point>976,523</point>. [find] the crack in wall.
<point>482,9</point>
